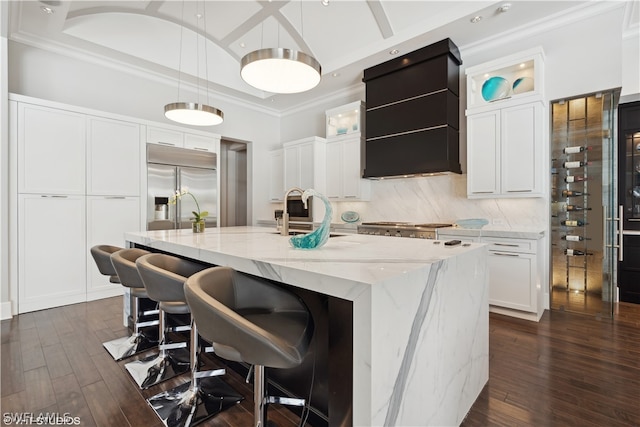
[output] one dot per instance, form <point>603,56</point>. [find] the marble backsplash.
<point>442,199</point>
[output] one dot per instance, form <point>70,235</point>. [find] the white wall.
<point>5,305</point>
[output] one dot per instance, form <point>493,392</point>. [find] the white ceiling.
<point>346,36</point>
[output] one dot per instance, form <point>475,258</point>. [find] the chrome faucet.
<point>284,230</point>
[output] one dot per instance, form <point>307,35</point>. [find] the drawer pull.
<point>503,254</point>
<point>507,244</point>
<point>167,143</point>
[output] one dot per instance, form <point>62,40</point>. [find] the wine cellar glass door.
<point>583,203</point>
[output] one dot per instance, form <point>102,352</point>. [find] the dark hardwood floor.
<point>566,370</point>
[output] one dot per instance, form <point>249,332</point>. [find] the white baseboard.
<point>5,310</point>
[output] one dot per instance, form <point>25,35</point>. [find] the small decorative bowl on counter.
<point>350,216</point>
<point>474,223</point>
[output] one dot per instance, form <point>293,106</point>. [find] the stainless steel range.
<point>401,229</point>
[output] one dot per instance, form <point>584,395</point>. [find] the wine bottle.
<point>575,208</point>
<point>573,223</point>
<point>572,238</point>
<point>575,178</point>
<point>571,165</point>
<point>575,149</point>
<point>571,193</point>
<point>574,252</point>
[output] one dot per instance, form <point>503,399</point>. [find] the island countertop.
<point>349,260</point>
<point>420,311</point>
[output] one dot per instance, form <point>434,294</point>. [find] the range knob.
<point>398,234</point>
<point>412,235</point>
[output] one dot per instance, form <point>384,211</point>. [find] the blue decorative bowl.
<point>495,88</point>
<point>350,216</point>
<point>522,85</point>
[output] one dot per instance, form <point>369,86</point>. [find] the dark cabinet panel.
<point>419,79</point>
<point>439,109</point>
<point>434,150</point>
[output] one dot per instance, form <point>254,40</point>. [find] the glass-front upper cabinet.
<point>511,78</point>
<point>344,120</point>
<point>629,163</point>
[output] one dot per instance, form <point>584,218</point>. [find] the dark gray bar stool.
<point>102,256</point>
<point>124,263</point>
<point>163,277</point>
<point>253,321</point>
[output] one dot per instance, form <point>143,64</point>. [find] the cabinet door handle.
<point>503,254</point>
<point>507,244</point>
<point>200,149</point>
<point>167,143</point>
<point>115,197</point>
<point>349,197</point>
<point>55,196</point>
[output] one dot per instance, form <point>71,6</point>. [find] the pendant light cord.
<point>206,57</point>
<point>180,49</point>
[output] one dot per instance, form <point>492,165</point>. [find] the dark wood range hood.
<point>412,115</point>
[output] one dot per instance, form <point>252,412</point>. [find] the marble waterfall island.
<point>420,325</point>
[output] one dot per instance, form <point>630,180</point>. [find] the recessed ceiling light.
<point>394,52</point>
<point>505,7</point>
<point>476,19</point>
<point>47,10</point>
<point>242,44</point>
<point>335,74</point>
<point>325,2</point>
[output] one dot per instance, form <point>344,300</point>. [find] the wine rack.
<point>576,194</point>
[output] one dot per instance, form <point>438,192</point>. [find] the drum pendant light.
<point>280,70</point>
<point>194,113</point>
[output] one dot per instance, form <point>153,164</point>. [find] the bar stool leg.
<point>171,361</point>
<point>192,402</point>
<point>122,348</point>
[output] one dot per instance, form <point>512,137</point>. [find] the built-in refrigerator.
<point>170,169</point>
<point>629,202</point>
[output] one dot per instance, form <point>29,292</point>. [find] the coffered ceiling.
<point>346,36</point>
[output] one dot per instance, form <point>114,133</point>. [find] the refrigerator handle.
<point>620,230</point>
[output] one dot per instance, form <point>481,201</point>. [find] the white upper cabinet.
<point>344,160</point>
<point>276,175</point>
<point>51,150</point>
<point>200,142</point>
<point>300,158</point>
<point>162,136</point>
<point>113,157</point>
<point>344,171</point>
<point>506,127</point>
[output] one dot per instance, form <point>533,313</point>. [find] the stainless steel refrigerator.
<point>169,169</point>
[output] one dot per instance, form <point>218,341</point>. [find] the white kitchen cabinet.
<point>507,127</point>
<point>276,175</point>
<point>344,171</point>
<point>108,218</point>
<point>300,159</point>
<point>505,152</point>
<point>52,251</point>
<point>200,142</point>
<point>51,150</point>
<point>515,276</point>
<point>163,136</point>
<point>113,157</point>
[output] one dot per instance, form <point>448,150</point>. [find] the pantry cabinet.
<point>51,150</point>
<point>52,254</point>
<point>108,217</point>
<point>113,157</point>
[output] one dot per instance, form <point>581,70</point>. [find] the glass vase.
<point>198,226</point>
